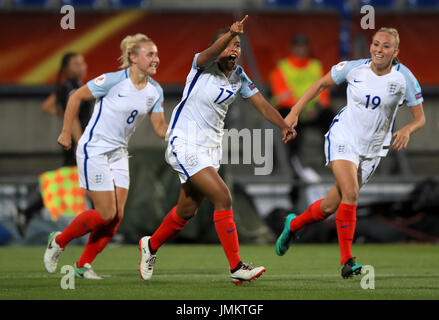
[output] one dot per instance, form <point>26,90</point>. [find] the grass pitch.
<point>201,272</point>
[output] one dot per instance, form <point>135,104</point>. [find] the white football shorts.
<point>104,171</point>
<point>337,149</point>
<point>188,159</point>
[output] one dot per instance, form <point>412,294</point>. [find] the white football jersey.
<point>367,121</point>
<point>199,117</point>
<point>118,110</point>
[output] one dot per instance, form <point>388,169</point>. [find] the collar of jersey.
<point>218,70</point>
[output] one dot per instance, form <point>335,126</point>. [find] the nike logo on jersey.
<point>358,81</point>
<point>230,231</point>
<point>349,225</point>
<point>121,96</point>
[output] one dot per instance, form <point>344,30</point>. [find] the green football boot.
<point>283,242</point>
<point>351,268</point>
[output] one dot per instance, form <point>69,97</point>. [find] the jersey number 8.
<point>132,116</point>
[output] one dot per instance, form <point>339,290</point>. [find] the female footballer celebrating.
<point>194,148</point>
<point>123,99</point>
<point>359,135</point>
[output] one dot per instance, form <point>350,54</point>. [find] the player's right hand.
<point>238,27</point>
<point>288,134</point>
<point>65,140</point>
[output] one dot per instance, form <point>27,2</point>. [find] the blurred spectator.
<point>70,77</point>
<point>290,79</point>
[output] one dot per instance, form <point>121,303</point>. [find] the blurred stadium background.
<point>400,203</point>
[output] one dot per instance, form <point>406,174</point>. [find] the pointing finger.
<point>243,20</point>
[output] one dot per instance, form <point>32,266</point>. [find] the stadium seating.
<point>80,3</point>
<point>324,4</point>
<point>283,3</point>
<point>30,3</point>
<point>421,4</point>
<point>341,5</point>
<point>379,3</point>
<point>127,3</point>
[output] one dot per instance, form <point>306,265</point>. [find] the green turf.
<point>201,272</point>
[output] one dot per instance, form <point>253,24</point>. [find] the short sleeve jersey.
<point>118,110</point>
<point>372,103</point>
<point>208,93</point>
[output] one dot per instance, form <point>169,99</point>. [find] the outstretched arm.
<point>402,136</point>
<point>159,123</point>
<point>325,82</point>
<point>71,116</point>
<point>211,53</point>
<point>272,115</point>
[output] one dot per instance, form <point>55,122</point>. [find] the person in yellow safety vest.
<point>290,79</point>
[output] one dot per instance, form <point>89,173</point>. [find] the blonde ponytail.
<point>130,44</point>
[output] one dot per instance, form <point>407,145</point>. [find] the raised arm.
<point>211,53</point>
<point>159,123</point>
<point>71,115</point>
<point>402,136</point>
<point>272,115</point>
<point>324,82</point>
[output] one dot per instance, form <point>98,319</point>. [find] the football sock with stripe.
<point>86,222</point>
<point>311,215</point>
<point>169,227</point>
<point>226,229</point>
<point>345,221</point>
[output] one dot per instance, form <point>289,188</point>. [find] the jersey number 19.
<point>375,101</point>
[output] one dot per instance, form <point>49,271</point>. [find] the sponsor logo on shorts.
<point>341,148</point>
<point>99,178</point>
<point>191,159</point>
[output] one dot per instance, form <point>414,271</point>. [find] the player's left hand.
<point>238,27</point>
<point>288,134</point>
<point>401,139</point>
<point>292,118</point>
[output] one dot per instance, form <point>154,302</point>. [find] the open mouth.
<point>232,57</point>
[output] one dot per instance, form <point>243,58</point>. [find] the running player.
<point>194,148</point>
<point>123,99</point>
<point>359,135</point>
